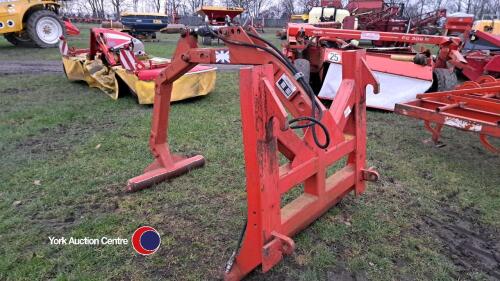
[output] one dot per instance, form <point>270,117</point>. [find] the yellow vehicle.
<point>31,23</point>
<point>490,26</point>
<point>317,15</point>
<point>299,18</point>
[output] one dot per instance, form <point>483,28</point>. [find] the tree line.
<point>267,8</point>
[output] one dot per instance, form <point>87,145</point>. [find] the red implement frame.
<point>216,15</point>
<point>458,25</point>
<point>420,22</point>
<point>448,46</point>
<point>472,106</point>
<point>264,108</point>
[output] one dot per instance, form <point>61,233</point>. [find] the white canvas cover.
<point>393,88</point>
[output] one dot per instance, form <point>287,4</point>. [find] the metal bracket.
<point>273,251</point>
<point>370,174</point>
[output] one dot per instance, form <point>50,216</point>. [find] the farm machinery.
<point>491,25</point>
<point>428,23</point>
<point>281,115</point>
<point>473,106</point>
<point>117,63</point>
<point>482,53</point>
<point>28,23</point>
<point>381,16</point>
<point>142,26</point>
<point>481,48</point>
<point>373,15</point>
<point>216,17</point>
<point>388,18</point>
<point>402,71</point>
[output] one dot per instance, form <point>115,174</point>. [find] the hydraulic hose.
<point>307,88</point>
<point>232,258</point>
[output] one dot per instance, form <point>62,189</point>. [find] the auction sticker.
<point>370,36</point>
<point>334,57</point>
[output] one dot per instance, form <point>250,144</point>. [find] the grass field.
<point>67,152</point>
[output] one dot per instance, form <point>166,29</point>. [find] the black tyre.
<point>304,66</point>
<point>44,28</point>
<point>444,79</point>
<point>207,40</point>
<point>19,39</point>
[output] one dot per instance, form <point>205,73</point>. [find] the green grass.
<point>82,147</point>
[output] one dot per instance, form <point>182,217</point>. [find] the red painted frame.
<point>472,106</point>
<point>265,134</point>
<point>449,47</point>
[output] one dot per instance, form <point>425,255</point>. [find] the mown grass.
<point>67,152</point>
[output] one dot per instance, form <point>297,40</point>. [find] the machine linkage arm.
<point>188,55</point>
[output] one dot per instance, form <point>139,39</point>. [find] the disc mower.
<point>402,70</point>
<point>116,63</point>
<point>281,115</point>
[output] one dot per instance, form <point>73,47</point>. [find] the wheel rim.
<point>48,30</point>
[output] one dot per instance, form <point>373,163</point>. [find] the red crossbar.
<point>472,106</point>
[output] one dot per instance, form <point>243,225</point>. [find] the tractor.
<point>31,23</point>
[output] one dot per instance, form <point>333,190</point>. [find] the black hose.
<point>313,121</point>
<point>230,262</point>
<point>311,94</point>
<point>278,55</point>
<point>290,66</point>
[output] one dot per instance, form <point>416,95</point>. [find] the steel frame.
<point>264,112</point>
<point>449,47</point>
<point>473,106</point>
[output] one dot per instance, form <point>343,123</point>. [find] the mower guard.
<point>400,81</point>
<point>393,88</point>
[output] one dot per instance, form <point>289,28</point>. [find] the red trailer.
<point>458,24</point>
